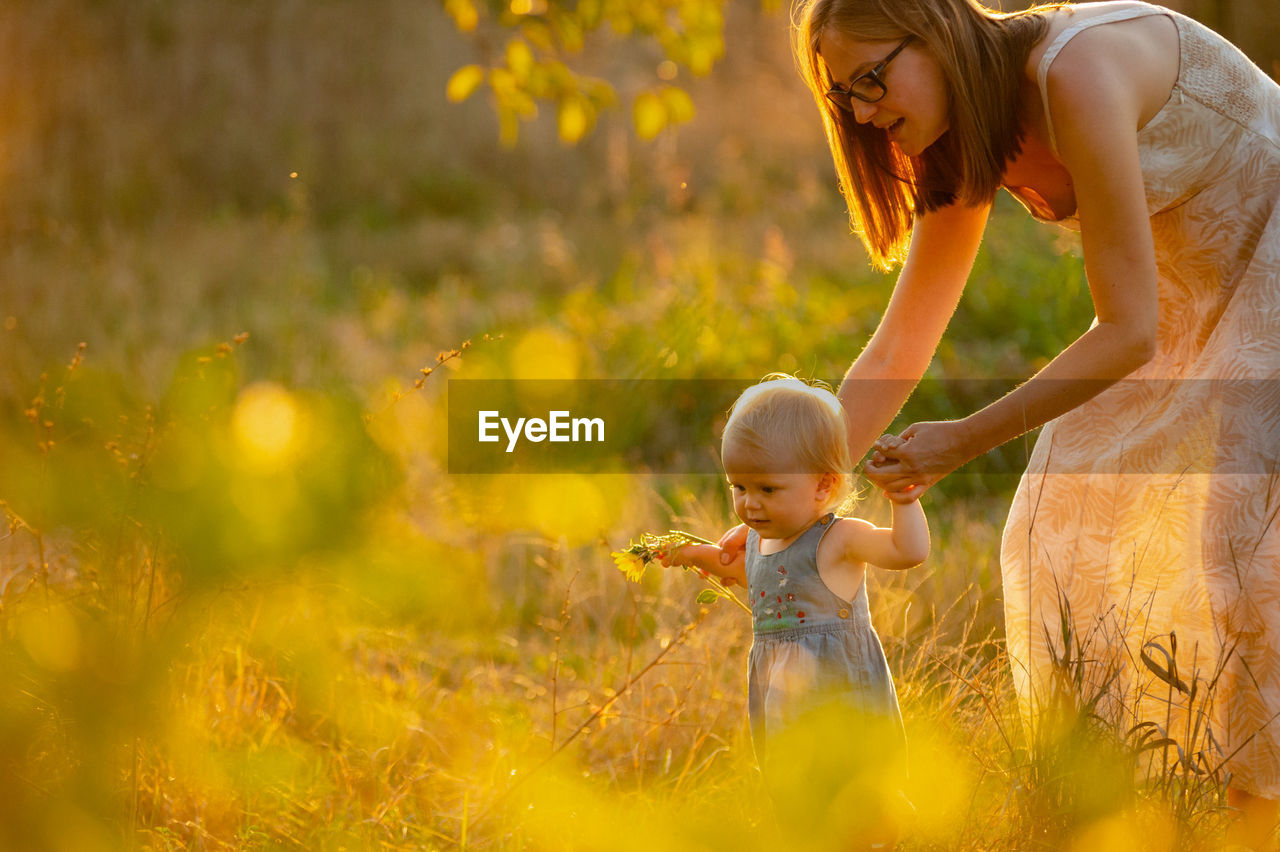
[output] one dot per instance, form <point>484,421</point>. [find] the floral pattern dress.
<point>1145,533</point>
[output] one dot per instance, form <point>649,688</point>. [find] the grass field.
<point>242,604</point>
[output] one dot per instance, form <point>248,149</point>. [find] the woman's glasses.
<point>867,87</point>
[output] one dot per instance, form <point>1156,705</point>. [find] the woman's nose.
<point>862,112</point>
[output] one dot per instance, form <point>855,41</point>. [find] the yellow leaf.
<point>508,127</point>
<point>519,58</point>
<point>463,13</point>
<point>539,34</point>
<point>574,120</point>
<point>571,33</point>
<point>464,82</point>
<point>503,82</point>
<point>511,94</point>
<point>524,105</point>
<point>589,12</point>
<point>678,103</point>
<point>703,53</point>
<point>649,114</point>
<point>621,22</point>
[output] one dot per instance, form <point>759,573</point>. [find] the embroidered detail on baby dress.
<point>781,600</point>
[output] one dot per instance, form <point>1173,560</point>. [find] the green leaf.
<point>708,596</point>
<point>463,82</point>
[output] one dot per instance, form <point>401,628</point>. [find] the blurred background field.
<point>242,604</point>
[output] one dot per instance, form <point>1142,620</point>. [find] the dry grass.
<point>512,692</point>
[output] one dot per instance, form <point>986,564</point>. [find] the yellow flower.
<point>636,558</point>
<point>632,561</point>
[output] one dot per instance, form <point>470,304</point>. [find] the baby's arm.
<point>706,558</point>
<point>903,545</point>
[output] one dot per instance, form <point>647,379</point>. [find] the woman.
<point>1149,507</point>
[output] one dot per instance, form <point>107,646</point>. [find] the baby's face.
<point>774,503</point>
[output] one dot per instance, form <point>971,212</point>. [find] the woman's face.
<point>913,111</point>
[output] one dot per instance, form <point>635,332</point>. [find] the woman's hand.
<point>905,466</point>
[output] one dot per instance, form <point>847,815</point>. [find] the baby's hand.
<point>883,453</point>
<point>681,557</point>
<point>668,558</point>
<point>906,496</point>
<point>693,557</point>
<point>886,444</point>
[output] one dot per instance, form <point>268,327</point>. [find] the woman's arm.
<point>943,246</point>
<point>1096,102</point>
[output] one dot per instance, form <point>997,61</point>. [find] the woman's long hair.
<point>982,54</point>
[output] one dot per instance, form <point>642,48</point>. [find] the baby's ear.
<point>826,484</point>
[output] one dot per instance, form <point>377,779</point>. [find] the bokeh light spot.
<point>545,353</point>
<point>265,425</point>
<point>51,638</point>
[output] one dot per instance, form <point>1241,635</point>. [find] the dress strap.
<point>1138,10</point>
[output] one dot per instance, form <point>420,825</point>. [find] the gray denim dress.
<point>812,646</point>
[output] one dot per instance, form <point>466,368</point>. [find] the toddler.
<point>815,659</point>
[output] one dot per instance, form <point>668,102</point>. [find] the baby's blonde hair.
<point>793,427</point>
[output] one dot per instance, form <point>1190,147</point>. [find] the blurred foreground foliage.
<point>127,520</point>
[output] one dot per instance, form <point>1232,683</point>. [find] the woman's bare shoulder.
<point>1139,54</point>
<point>1060,17</point>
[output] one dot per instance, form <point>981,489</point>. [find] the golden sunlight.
<point>266,426</point>
<point>545,352</point>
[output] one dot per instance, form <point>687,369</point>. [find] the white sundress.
<point>1149,515</point>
